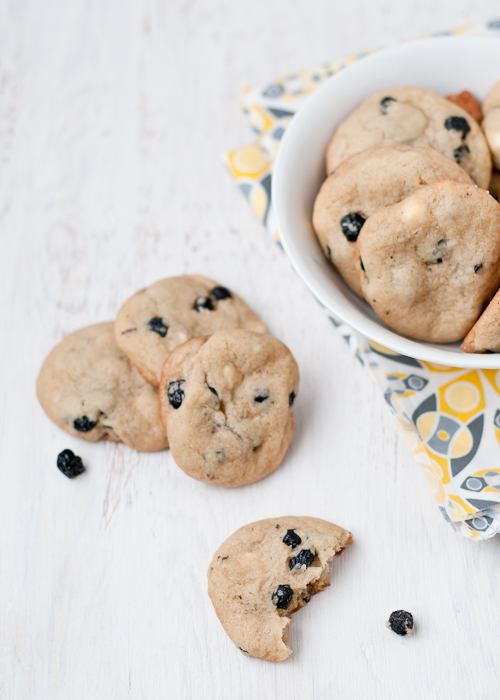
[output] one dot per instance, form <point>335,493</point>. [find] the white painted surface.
<point>112,119</point>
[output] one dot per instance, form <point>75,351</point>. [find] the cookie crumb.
<point>70,464</point>
<point>400,622</point>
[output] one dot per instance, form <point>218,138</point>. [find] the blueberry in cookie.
<point>90,389</point>
<point>225,401</point>
<point>153,322</point>
<point>255,584</point>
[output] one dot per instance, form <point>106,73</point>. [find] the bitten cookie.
<point>265,572</point>
<point>227,404</point>
<point>484,335</point>
<point>90,389</point>
<point>429,263</point>
<point>415,117</point>
<point>363,184</point>
<point>157,319</point>
<point>491,122</point>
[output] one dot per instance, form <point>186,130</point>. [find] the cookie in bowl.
<point>428,264</point>
<point>484,336</point>
<point>227,403</point>
<point>467,101</point>
<point>365,183</point>
<point>155,320</point>
<point>415,117</point>
<point>494,186</point>
<point>491,122</point>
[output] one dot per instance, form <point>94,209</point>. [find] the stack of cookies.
<point>405,216</point>
<point>186,362</point>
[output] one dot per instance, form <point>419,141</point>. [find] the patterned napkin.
<point>449,416</point>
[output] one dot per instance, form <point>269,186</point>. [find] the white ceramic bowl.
<point>446,65</point>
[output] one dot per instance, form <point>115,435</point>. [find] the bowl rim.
<point>354,318</point>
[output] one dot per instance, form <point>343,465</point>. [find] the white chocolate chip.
<point>232,376</point>
<point>413,210</point>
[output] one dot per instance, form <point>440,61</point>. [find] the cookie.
<point>90,389</point>
<point>492,99</point>
<point>467,101</point>
<point>491,122</point>
<point>415,117</point>
<point>265,572</point>
<point>152,323</point>
<point>494,186</point>
<point>227,404</point>
<point>484,335</point>
<point>429,263</point>
<point>363,184</point>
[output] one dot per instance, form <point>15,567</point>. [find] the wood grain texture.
<point>113,117</point>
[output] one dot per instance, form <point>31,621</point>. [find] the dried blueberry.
<point>361,265</point>
<point>457,124</point>
<point>83,424</point>
<point>291,539</point>
<point>400,622</point>
<point>291,398</point>
<point>221,293</point>
<point>351,225</point>
<point>282,597</point>
<point>385,102</point>
<point>460,153</point>
<point>203,303</point>
<point>70,464</point>
<point>156,324</point>
<point>303,559</point>
<point>439,252</point>
<point>213,390</point>
<point>176,393</point>
<point>260,396</point>
<point>477,268</point>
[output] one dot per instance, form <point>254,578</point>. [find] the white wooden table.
<point>113,116</point>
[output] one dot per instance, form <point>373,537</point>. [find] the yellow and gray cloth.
<point>449,416</point>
